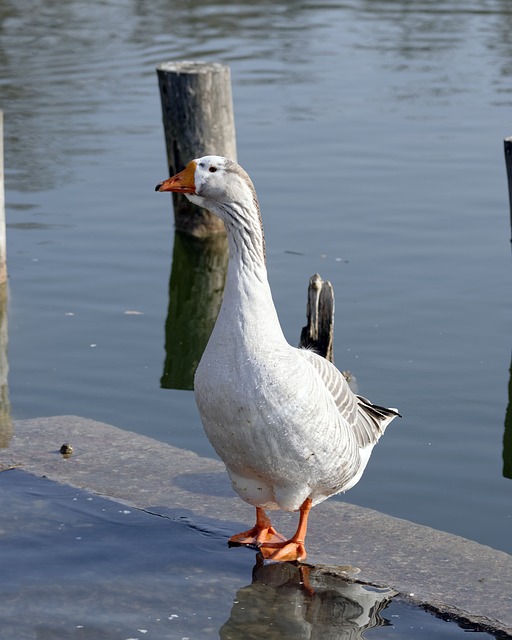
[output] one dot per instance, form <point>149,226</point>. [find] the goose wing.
<point>367,420</point>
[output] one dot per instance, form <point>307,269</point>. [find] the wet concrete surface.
<point>156,556</point>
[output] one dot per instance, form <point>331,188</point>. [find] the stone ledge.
<point>446,573</point>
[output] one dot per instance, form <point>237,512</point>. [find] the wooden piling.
<point>508,163</point>
<point>3,253</point>
<point>318,334</point>
<point>507,436</point>
<point>197,110</point>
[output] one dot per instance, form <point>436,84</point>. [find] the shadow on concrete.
<point>209,484</point>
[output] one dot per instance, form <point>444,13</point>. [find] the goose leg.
<point>293,549</point>
<point>262,533</point>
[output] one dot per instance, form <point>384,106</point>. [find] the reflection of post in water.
<point>5,413</point>
<point>195,294</point>
<point>278,605</point>
<point>507,437</point>
<point>5,409</point>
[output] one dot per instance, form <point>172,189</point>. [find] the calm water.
<point>373,132</point>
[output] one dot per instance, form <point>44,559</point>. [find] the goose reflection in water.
<point>286,601</point>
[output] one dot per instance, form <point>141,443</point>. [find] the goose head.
<point>217,184</point>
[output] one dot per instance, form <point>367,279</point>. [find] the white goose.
<point>284,420</point>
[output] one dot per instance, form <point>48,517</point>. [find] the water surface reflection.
<point>5,408</point>
<point>289,601</point>
<point>196,284</point>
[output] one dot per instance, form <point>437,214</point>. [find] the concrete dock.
<point>445,573</point>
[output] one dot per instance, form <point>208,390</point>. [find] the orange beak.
<point>182,182</point>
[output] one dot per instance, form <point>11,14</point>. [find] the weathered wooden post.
<point>3,253</point>
<point>197,109</point>
<point>318,334</point>
<point>507,436</point>
<point>319,331</point>
<point>508,163</point>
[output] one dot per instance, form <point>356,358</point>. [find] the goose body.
<point>284,420</point>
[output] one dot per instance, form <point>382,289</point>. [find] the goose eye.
<point>212,169</point>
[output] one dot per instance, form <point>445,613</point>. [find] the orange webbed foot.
<point>257,536</point>
<point>286,551</point>
<point>292,550</point>
<point>262,532</point>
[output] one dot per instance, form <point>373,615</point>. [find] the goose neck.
<point>245,237</point>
